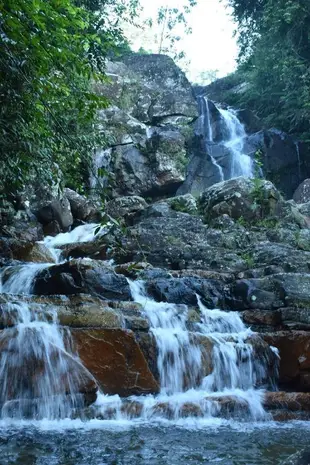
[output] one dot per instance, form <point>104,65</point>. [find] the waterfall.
<point>298,160</point>
<point>229,135</point>
<point>177,354</point>
<point>19,279</point>
<point>235,370</point>
<point>208,367</point>
<point>204,129</point>
<point>39,373</point>
<point>101,162</point>
<point>241,163</point>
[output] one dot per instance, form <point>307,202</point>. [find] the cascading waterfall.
<point>235,371</point>
<point>177,354</point>
<point>207,368</point>
<point>40,375</point>
<point>241,163</point>
<point>233,137</point>
<point>204,129</point>
<point>19,279</point>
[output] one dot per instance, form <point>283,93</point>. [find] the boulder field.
<point>240,246</point>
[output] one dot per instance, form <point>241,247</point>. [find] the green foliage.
<point>258,163</point>
<point>170,20</point>
<point>51,54</point>
<point>268,223</point>
<point>242,221</point>
<point>274,59</point>
<point>206,77</point>
<point>248,258</point>
<point>257,193</point>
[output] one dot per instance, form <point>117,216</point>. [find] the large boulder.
<point>31,252</point>
<point>166,89</point>
<point>185,290</point>
<point>77,311</point>
<point>154,167</point>
<point>81,207</point>
<point>19,225</point>
<point>169,239</point>
<point>125,207</point>
<point>240,198</point>
<point>82,277</point>
<point>58,211</point>
<point>147,126</point>
<point>302,193</point>
<point>116,361</point>
<point>271,292</point>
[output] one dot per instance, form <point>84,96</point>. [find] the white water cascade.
<point>208,368</point>
<point>19,279</point>
<point>204,129</point>
<point>241,163</point>
<point>230,378</point>
<point>233,137</point>
<point>40,374</point>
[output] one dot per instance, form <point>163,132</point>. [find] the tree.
<point>51,53</point>
<point>275,59</point>
<point>206,77</point>
<point>169,19</point>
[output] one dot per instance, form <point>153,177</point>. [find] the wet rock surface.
<point>116,360</point>
<point>147,126</point>
<point>78,276</point>
<point>255,261</point>
<point>294,350</point>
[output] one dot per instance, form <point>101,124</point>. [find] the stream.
<point>89,444</point>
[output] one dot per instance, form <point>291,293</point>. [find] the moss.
<point>248,258</point>
<point>181,161</point>
<point>242,221</point>
<point>174,240</point>
<point>269,223</point>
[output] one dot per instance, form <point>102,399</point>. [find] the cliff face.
<point>148,125</point>
<point>285,160</point>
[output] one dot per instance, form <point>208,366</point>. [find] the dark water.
<point>145,445</point>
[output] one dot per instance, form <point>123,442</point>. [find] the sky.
<point>211,46</point>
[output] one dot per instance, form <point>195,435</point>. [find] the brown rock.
<point>116,361</point>
<point>31,252</point>
<point>163,409</point>
<point>96,249</point>
<point>190,409</point>
<point>294,349</point>
<point>26,370</point>
<point>283,415</point>
<point>229,404</point>
<point>292,401</point>
<point>261,317</point>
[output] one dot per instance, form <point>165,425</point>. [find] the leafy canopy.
<point>274,38</point>
<point>51,53</point>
